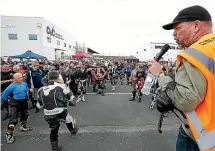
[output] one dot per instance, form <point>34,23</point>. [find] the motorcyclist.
<point>113,76</point>
<point>140,81</point>
<point>120,71</point>
<point>99,75</point>
<point>54,98</point>
<point>128,70</point>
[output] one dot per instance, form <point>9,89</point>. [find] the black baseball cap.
<point>192,13</point>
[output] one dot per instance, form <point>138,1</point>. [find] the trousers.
<point>54,123</point>
<point>185,142</point>
<point>17,107</point>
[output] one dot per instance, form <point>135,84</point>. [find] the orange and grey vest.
<point>202,120</point>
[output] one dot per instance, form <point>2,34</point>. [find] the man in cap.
<point>191,90</point>
<point>54,98</point>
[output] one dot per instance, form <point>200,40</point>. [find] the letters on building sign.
<point>8,26</point>
<point>51,32</point>
<point>171,47</point>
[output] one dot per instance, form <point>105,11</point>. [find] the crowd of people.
<point>25,80</point>
<point>189,90</point>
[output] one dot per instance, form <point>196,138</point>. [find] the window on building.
<point>32,36</point>
<point>58,42</point>
<point>64,44</point>
<point>49,40</point>
<point>12,36</point>
<point>70,46</point>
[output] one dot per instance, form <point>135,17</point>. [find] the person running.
<point>54,98</point>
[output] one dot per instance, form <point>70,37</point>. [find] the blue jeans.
<point>89,80</point>
<point>184,142</point>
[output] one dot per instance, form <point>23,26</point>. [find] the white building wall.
<point>153,48</point>
<point>57,40</point>
<point>22,26</point>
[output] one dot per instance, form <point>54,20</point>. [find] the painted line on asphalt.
<point>110,93</point>
<point>44,130</point>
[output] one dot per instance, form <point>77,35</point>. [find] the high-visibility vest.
<point>202,121</point>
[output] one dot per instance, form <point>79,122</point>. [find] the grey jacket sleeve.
<point>190,89</point>
<point>40,103</point>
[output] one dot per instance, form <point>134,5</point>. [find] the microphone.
<point>162,52</point>
<point>150,79</point>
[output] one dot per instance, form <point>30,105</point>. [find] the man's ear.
<point>60,81</point>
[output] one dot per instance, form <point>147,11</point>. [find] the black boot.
<point>94,88</point>
<point>72,103</point>
<point>140,97</point>
<point>37,110</point>
<point>55,146</point>
<point>9,137</point>
<point>132,99</point>
<point>134,95</point>
<point>72,127</point>
<point>74,131</point>
<point>98,92</point>
<point>34,102</point>
<point>103,93</point>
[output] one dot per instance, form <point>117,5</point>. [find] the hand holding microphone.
<point>155,67</point>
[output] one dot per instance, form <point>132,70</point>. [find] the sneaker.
<point>113,89</point>
<point>83,98</point>
<point>24,128</point>
<point>9,138</point>
<point>103,93</point>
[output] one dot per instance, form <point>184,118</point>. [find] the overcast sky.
<point>114,27</point>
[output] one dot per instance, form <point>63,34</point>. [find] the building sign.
<point>171,47</point>
<point>8,26</point>
<point>53,33</point>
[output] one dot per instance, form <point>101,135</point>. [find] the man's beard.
<point>180,45</point>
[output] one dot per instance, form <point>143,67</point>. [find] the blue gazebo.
<point>28,54</point>
<point>131,59</point>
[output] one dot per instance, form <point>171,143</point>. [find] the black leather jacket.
<point>54,98</point>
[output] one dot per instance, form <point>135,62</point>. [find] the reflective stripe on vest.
<point>205,140</point>
<point>201,57</point>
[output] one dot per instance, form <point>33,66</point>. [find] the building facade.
<point>152,49</point>
<point>19,34</point>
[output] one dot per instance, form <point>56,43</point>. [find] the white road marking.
<point>110,93</point>
<point>44,130</point>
